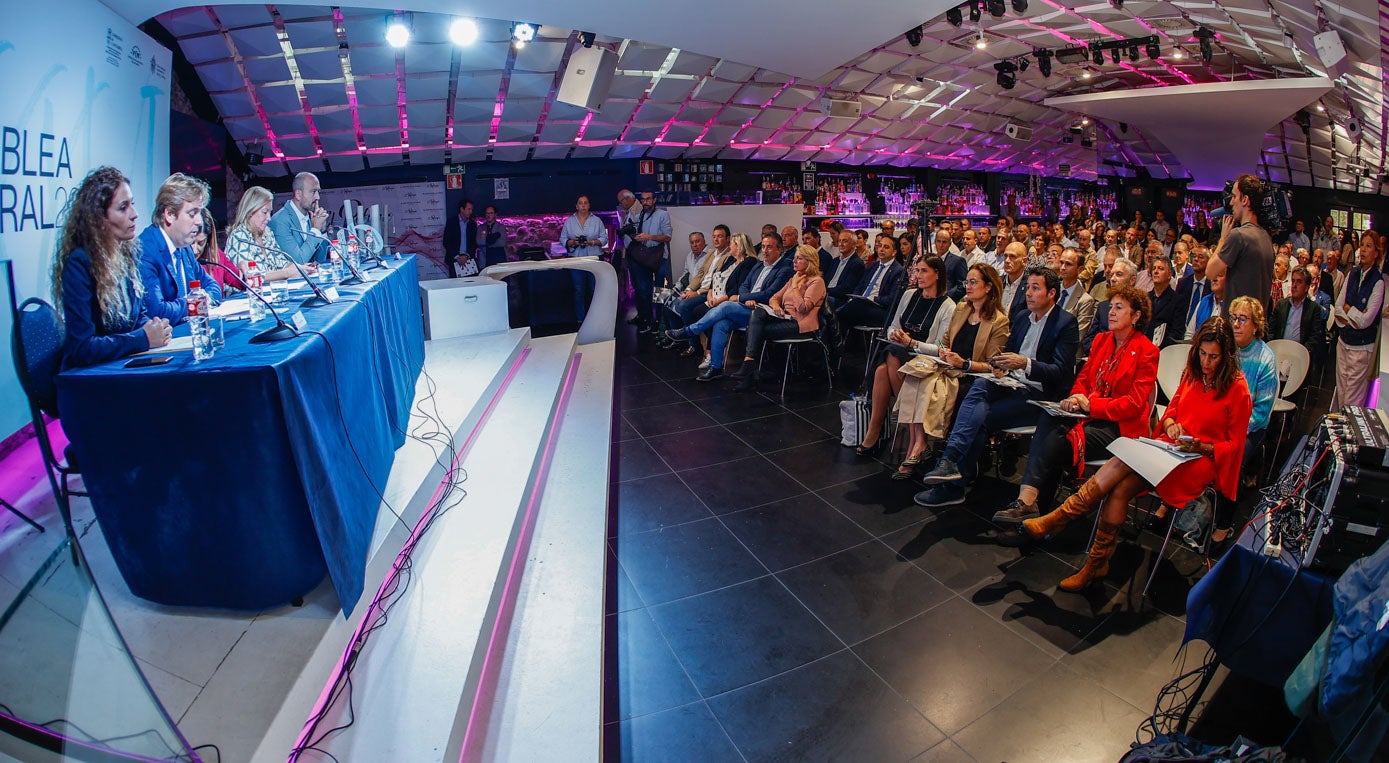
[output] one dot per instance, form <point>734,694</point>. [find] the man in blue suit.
<point>300,222</point>
<point>877,289</point>
<point>956,267</point>
<point>1039,359</point>
<point>845,270</point>
<point>167,262</point>
<point>761,284</point>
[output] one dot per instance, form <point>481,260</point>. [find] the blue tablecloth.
<point>239,481</point>
<point>1260,614</point>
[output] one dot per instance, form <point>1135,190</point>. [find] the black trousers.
<point>856,312</point>
<point>762,327</point>
<point>1051,452</point>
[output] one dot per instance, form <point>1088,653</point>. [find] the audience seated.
<point>793,310</point>
<point>1037,364</point>
<point>1167,306</point>
<point>1211,407</point>
<point>918,324</point>
<point>763,281</point>
<point>1210,306</point>
<point>1114,389</point>
<point>876,290</point>
<point>1298,317</point>
<point>846,269</point>
<point>1074,298</point>
<point>1014,282</point>
<point>1121,273</point>
<point>1260,370</point>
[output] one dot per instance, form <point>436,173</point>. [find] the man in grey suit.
<point>300,222</point>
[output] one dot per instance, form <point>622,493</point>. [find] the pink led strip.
<point>320,707</point>
<point>478,714</point>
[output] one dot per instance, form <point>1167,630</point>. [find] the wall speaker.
<point>589,77</point>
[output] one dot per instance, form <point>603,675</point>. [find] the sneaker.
<point>710,374</point>
<point>1016,513</point>
<point>708,360</point>
<point>945,471</point>
<point>940,495</point>
<point>677,335</point>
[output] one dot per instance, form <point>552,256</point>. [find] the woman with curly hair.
<point>96,275</point>
<point>1210,409</point>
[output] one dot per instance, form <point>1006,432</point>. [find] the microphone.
<point>280,330</point>
<point>376,259</point>
<point>318,298</point>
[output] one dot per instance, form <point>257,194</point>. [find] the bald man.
<point>298,226</point>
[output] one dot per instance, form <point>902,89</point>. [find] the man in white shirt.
<point>971,251</point>
<point>1074,298</point>
<point>1160,226</point>
<point>1298,238</point>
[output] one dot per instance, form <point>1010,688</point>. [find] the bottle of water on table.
<point>334,264</point>
<point>255,281</point>
<point>199,304</point>
<point>353,251</point>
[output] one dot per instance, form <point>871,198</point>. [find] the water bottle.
<point>334,264</point>
<point>353,252</point>
<point>198,306</point>
<point>255,282</point>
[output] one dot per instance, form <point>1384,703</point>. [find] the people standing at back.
<point>167,262</point>
<point>1357,314</point>
<point>460,241</point>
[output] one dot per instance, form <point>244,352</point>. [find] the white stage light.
<point>463,32</point>
<point>397,34</point>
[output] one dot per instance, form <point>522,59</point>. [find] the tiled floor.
<point>776,597</point>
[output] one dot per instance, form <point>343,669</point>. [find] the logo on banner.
<point>114,47</point>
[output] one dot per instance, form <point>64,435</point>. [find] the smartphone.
<point>1186,438</point>
<point>145,361</point>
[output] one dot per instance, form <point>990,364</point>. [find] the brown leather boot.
<point>1076,506</point>
<point>1097,565</point>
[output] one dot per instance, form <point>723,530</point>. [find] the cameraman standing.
<point>1245,253</point>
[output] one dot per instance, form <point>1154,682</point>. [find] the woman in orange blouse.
<point>1211,408</point>
<point>797,307</point>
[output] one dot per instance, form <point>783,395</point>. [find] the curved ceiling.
<point>744,82</point>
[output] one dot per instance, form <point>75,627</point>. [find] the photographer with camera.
<point>647,259</point>
<point>1245,253</point>
<point>584,235</point>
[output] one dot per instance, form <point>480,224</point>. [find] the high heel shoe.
<point>908,467</point>
<point>870,450</point>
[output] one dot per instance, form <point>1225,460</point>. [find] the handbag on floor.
<point>853,421</point>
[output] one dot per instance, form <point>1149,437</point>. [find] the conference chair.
<point>1171,364</point>
<point>1293,362</point>
<point>37,345</point>
<point>816,337</point>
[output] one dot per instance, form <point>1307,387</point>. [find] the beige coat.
<point>929,389</point>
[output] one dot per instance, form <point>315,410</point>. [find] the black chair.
<point>37,346</point>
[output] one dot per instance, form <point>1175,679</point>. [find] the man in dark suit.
<point>811,237</point>
<point>1039,361</point>
<point>1190,291</point>
<point>1299,318</point>
<point>1014,277</point>
<point>167,263</point>
<point>845,270</point>
<point>460,238</point>
<point>876,290</point>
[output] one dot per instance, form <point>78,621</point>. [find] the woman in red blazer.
<point>1115,388</point>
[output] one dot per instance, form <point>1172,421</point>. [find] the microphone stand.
<point>318,298</point>
<point>280,330</point>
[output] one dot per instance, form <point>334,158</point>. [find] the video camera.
<point>629,229</point>
<point>1273,212</point>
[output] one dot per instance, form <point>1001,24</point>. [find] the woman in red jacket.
<point>1115,388</point>
<point>1211,409</point>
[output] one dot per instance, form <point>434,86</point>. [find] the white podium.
<point>463,307</point>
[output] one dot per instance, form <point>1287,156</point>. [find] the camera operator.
<point>1245,252</point>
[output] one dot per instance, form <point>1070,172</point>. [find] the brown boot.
<point>1097,565</point>
<point>1076,506</point>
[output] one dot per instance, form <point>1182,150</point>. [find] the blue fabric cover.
<point>231,483</point>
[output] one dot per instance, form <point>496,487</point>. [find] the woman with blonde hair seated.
<point>251,240</point>
<point>978,331</point>
<point>1208,415</point>
<point>797,311</point>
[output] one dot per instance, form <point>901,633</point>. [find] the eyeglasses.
<point>972,282</point>
<point>1239,320</point>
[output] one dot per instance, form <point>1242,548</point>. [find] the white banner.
<point>82,88</point>
<point>416,215</point>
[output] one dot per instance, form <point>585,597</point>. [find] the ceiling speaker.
<point>588,78</point>
<point>1017,131</point>
<point>1332,53</point>
<point>837,107</point>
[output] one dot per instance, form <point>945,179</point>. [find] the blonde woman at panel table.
<point>251,240</point>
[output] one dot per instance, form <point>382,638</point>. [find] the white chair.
<point>1292,361</point>
<point>1171,364</point>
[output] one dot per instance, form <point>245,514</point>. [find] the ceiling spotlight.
<point>1117,4</point>
<point>1023,63</point>
<point>1320,107</point>
<point>1303,120</point>
<point>1085,74</point>
<point>397,33</point>
<point>586,39</point>
<point>980,44</point>
<point>522,32</point>
<point>1019,6</point>
<point>954,16</point>
<point>1114,54</point>
<point>1044,62</point>
<point>1097,55</point>
<point>1178,54</point>
<point>1207,47</point>
<point>1133,52</point>
<point>997,8</point>
<point>463,32</point>
<point>1007,74</point>
<point>1084,121</point>
<point>914,36</point>
<point>1153,49</point>
<point>974,12</point>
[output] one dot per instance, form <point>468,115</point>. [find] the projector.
<point>839,107</point>
<point>1076,54</point>
<point>1017,131</point>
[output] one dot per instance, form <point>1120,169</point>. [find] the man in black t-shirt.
<point>1245,252</point>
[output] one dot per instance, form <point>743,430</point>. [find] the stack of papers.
<point>1002,381</point>
<point>1054,409</point>
<point>1152,459</point>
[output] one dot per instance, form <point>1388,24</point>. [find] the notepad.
<point>177,344</point>
<point>1055,409</point>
